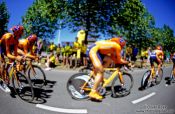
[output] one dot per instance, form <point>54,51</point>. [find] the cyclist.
<point>26,45</point>
<point>8,47</point>
<point>173,59</point>
<point>102,54</point>
<point>157,56</point>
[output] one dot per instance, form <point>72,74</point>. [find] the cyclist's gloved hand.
<point>36,58</point>
<point>19,58</point>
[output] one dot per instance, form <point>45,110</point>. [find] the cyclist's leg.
<point>152,66</point>
<point>107,61</point>
<point>2,65</point>
<point>98,69</point>
<point>3,74</point>
<point>159,64</point>
<point>173,67</point>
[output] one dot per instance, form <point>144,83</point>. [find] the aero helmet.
<point>120,41</point>
<point>32,38</point>
<point>18,29</point>
<point>159,47</point>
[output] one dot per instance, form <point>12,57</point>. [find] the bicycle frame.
<point>29,65</point>
<point>106,80</point>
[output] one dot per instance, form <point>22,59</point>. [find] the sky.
<point>162,10</point>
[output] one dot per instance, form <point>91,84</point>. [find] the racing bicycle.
<point>35,73</point>
<point>150,78</point>
<point>20,82</point>
<point>80,84</point>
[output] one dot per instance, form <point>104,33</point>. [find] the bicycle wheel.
<point>121,91</point>
<point>159,77</point>
<point>75,83</point>
<point>37,76</point>
<point>4,86</point>
<point>145,82</point>
<point>23,87</point>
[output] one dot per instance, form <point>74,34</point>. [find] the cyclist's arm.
<point>9,55</point>
<point>31,54</point>
<point>119,60</point>
<point>20,52</point>
<point>117,56</point>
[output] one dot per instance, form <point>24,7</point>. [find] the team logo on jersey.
<point>16,28</point>
<point>121,40</point>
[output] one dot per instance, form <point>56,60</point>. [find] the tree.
<point>4,18</point>
<point>110,18</point>
<point>168,39</point>
<point>94,16</point>
<point>134,22</point>
<point>42,18</point>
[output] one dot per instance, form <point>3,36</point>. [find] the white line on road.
<point>143,98</point>
<point>80,111</point>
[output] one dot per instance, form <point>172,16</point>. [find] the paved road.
<point>54,99</point>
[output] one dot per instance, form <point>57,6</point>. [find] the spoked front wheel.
<point>23,87</point>
<point>120,91</point>
<point>37,76</point>
<point>75,83</point>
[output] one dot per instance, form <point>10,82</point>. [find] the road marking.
<point>143,98</point>
<point>81,111</point>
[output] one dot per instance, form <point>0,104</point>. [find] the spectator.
<point>58,53</point>
<point>83,53</point>
<point>134,54</point>
<point>67,54</point>
<point>77,46</point>
<point>128,53</point>
<point>144,55</point>
<point>51,57</point>
<point>63,55</point>
<point>167,54</point>
<point>39,49</point>
<point>52,47</point>
<point>149,53</point>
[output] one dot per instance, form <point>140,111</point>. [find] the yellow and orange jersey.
<point>107,47</point>
<point>157,53</point>
<point>9,43</point>
<point>24,45</point>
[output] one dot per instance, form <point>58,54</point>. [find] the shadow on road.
<point>169,81</point>
<point>41,94</point>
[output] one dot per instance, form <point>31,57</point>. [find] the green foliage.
<point>128,18</point>
<point>42,18</point>
<point>168,40</point>
<point>134,22</point>
<point>4,18</point>
<point>94,16</point>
